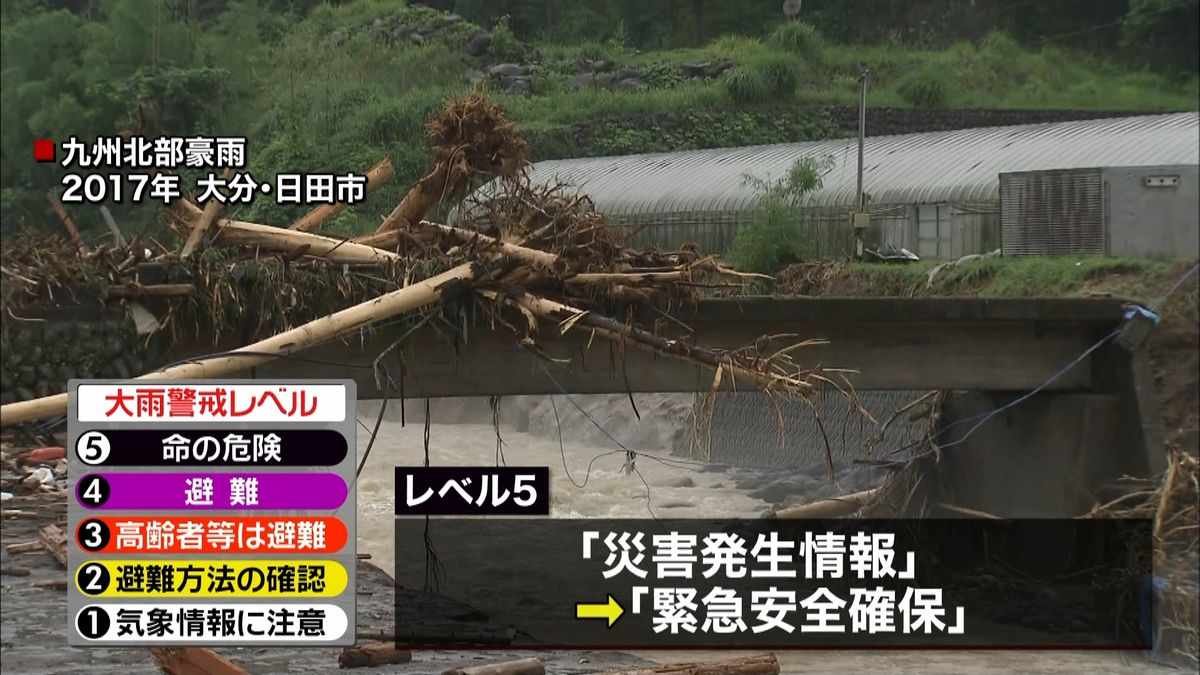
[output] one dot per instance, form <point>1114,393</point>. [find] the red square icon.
<point>43,150</point>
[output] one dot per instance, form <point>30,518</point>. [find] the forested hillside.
<point>334,86</point>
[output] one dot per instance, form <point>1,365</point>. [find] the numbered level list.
<point>211,512</point>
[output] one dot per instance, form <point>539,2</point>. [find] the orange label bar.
<point>229,534</point>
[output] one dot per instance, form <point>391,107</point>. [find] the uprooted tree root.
<point>470,139</point>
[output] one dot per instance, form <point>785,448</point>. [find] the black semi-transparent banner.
<point>779,584</point>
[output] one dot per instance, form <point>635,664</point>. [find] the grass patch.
<point>1012,277</point>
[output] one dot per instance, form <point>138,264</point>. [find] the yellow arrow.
<point>611,610</point>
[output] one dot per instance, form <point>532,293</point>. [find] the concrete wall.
<point>1156,222</point>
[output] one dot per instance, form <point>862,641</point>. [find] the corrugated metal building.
<point>937,194</point>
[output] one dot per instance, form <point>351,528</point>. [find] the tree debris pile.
<point>1172,502</point>
<point>538,257</point>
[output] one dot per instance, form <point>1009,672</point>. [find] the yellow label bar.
<point>211,578</point>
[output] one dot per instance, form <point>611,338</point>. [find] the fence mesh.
<point>748,429</point>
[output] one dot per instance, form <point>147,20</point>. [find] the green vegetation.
<point>799,38</point>
<point>924,90</point>
<point>334,86</point>
<point>773,237</point>
<point>1011,277</point>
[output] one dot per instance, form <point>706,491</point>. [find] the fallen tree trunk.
<point>287,241</point>
<point>212,211</point>
<point>612,329</point>
<point>376,176</point>
<point>828,508</point>
<point>418,200</point>
<point>762,664</point>
<point>335,325</point>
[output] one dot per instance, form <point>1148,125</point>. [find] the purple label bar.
<point>212,491</point>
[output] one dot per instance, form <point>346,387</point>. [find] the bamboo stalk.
<point>325,328</point>
<point>212,210</point>
<point>376,176</point>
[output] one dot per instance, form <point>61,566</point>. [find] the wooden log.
<point>376,176</point>
<point>372,654</point>
<point>55,541</point>
<point>419,199</point>
<point>62,214</point>
<point>278,239</point>
<point>15,571</point>
<point>828,508</point>
<point>212,211</point>
<point>529,666</point>
<point>193,661</point>
<point>523,253</point>
<point>25,547</point>
<point>53,584</point>
<point>761,664</point>
<point>329,327</point>
<point>612,329</point>
<point>956,511</point>
<point>153,290</point>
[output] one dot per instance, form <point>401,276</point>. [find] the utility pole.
<point>860,220</point>
<point>862,131</point>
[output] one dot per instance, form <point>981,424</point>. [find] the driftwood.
<point>762,664</point>
<point>25,547</point>
<point>55,541</point>
<point>193,661</point>
<point>376,176</point>
<point>154,290</point>
<point>212,211</point>
<point>533,255</point>
<point>568,317</point>
<point>828,508</point>
<point>373,654</point>
<point>326,328</point>
<point>529,666</point>
<point>236,232</point>
<point>15,571</point>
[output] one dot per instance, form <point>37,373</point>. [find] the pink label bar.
<point>211,491</point>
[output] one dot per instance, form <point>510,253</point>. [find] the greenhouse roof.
<point>945,166</point>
